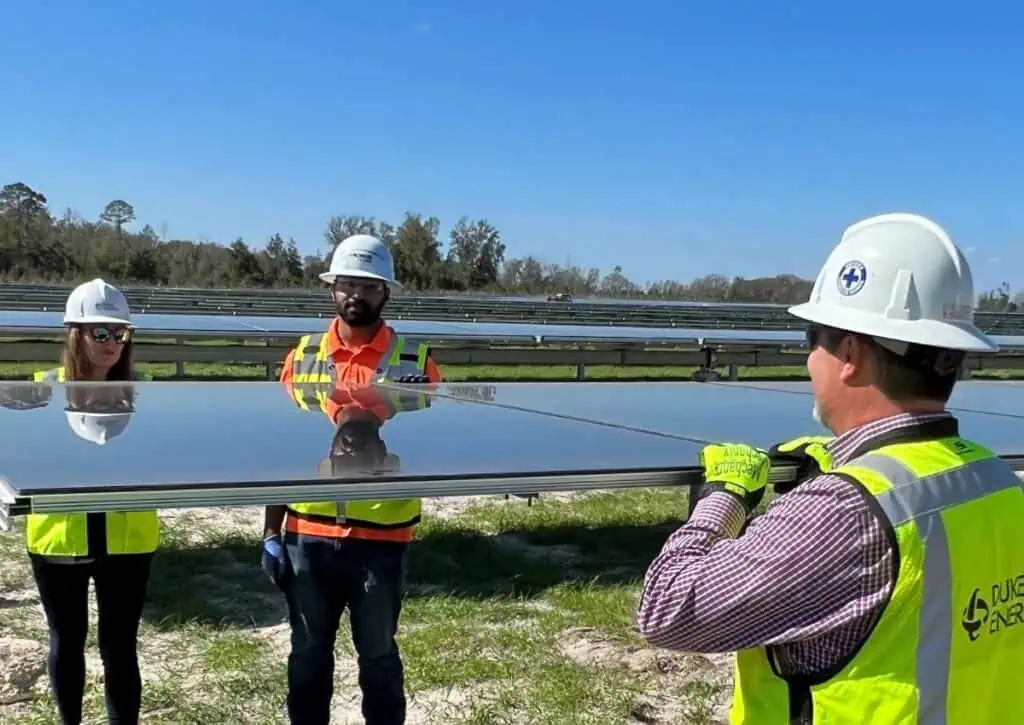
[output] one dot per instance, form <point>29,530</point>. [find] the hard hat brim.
<point>329,277</point>
<point>111,424</point>
<point>947,335</point>
<point>98,319</point>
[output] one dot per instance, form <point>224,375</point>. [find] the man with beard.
<point>347,554</point>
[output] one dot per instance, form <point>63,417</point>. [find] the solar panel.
<point>31,321</point>
<point>36,322</point>
<point>790,338</point>
<point>502,330</point>
<point>757,413</point>
<point>243,443</point>
<point>991,397</point>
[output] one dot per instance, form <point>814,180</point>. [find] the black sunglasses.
<point>120,335</point>
<point>352,286</point>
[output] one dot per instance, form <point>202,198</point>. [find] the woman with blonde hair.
<point>115,548</point>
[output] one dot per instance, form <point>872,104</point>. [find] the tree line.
<point>38,246</point>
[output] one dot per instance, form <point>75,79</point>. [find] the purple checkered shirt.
<point>810,575</point>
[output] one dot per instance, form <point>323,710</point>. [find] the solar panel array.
<point>240,443</point>
<point>35,322</point>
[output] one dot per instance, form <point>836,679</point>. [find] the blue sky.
<point>671,138</point>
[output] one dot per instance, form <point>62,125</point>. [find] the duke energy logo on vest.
<point>1003,609</point>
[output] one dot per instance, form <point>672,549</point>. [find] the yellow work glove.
<point>736,469</point>
<point>808,453</point>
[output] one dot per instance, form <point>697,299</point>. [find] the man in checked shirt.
<point>887,586</point>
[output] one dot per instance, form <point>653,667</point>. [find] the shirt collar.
<point>379,343</point>
<point>842,447</point>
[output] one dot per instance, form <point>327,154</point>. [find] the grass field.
<point>515,614</point>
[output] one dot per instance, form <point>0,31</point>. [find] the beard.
<point>359,313</point>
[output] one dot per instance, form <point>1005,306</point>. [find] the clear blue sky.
<point>672,138</point>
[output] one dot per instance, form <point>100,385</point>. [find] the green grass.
<point>481,373</point>
<point>502,599</point>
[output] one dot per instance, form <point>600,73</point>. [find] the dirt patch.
<point>22,664</point>
<point>699,684</point>
<point>200,525</point>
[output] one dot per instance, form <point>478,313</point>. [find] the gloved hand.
<point>273,560</point>
<point>807,453</point>
<point>736,469</point>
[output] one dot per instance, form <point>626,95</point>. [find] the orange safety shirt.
<point>355,368</point>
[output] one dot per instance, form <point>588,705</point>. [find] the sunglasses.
<point>352,286</point>
<point>120,335</point>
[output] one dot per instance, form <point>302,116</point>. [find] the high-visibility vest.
<point>56,375</point>
<point>949,645</point>
<point>307,395</point>
<point>79,534</point>
<point>311,364</point>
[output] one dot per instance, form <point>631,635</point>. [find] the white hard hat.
<point>900,278</point>
<point>362,255</point>
<point>98,428</point>
<point>97,302</point>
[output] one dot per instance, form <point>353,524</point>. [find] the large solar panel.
<point>757,413</point>
<point>992,397</point>
<point>243,443</point>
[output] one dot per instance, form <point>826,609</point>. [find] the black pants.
<point>327,576</point>
<point>121,582</point>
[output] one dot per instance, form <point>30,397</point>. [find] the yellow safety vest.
<point>948,648</point>
<point>75,534</point>
<point>56,375</point>
<point>311,364</point>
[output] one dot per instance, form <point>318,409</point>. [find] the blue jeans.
<point>328,575</point>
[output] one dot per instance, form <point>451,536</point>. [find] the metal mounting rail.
<point>264,493</point>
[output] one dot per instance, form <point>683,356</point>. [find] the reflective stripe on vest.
<point>312,367</point>
<point>127,532</point>
<point>949,644</point>
<point>56,375</point>
<point>320,395</point>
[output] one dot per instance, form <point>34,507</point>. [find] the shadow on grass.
<point>222,583</point>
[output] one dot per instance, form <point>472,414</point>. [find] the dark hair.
<point>72,357</point>
<point>922,372</point>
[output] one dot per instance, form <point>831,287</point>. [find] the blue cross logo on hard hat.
<point>852,277</point>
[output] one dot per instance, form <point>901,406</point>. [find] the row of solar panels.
<point>244,443</point>
<point>466,308</point>
<point>60,292</point>
<point>32,322</point>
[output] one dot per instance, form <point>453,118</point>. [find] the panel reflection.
<point>104,435</point>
